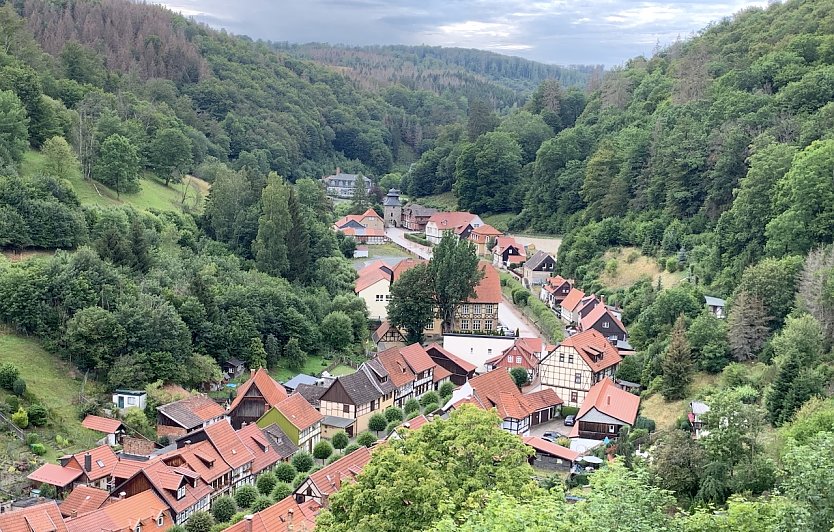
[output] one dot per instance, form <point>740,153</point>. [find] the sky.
<point>552,31</point>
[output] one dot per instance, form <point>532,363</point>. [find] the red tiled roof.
<point>416,422</point>
<point>299,412</point>
<point>403,266</point>
<point>440,373</point>
<point>497,389</point>
<point>54,475</point>
<point>591,343</point>
<point>503,242</point>
<point>370,279</point>
<point>39,518</point>
<point>528,360</point>
<point>202,458</point>
<point>375,265</point>
<point>283,516</point>
<point>125,469</point>
<point>489,289</point>
<point>487,230</point>
<point>228,444</point>
<point>596,314</point>
<point>103,460</point>
<point>398,370</point>
<point>265,454</point>
<point>572,299</point>
<point>329,478</point>
<point>123,515</point>
<point>461,363</point>
<point>272,392</point>
<point>83,500</point>
<point>101,424</point>
<point>417,358</point>
<point>550,448</point>
<point>166,481</point>
<point>384,329</point>
<point>542,399</point>
<point>611,400</point>
<point>450,220</point>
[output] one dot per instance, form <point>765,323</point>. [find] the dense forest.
<point>502,80</point>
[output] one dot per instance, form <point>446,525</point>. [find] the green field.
<point>445,202</point>
<point>153,194</point>
<point>499,221</point>
<point>53,383</point>
<point>313,366</point>
<point>341,370</point>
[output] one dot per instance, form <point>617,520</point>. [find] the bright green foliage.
<point>808,472</point>
<point>302,462</point>
<point>707,337</point>
<point>170,154</point>
<point>58,158</point>
<point>393,413</point>
<point>8,374</point>
<point>446,389</point>
<point>199,522</point>
<point>245,496</point>
<point>366,439</point>
<point>816,416</point>
<point>285,472</point>
<point>337,331</point>
<point>377,422</point>
<point>223,508</point>
<point>20,418</point>
<point>411,304</point>
<point>14,135</point>
<point>282,491</point>
<point>322,450</point>
<point>135,419</point>
<point>265,483</point>
<point>353,446</point>
<point>118,165</point>
<point>339,440</point>
<point>261,503</point>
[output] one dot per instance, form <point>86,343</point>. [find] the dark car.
<point>551,436</point>
<point>570,421</point>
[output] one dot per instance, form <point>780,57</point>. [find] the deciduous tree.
<point>454,271</point>
<point>412,302</point>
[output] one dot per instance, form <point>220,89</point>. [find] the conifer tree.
<point>677,363</point>
<point>273,227</point>
<point>747,325</point>
<point>298,241</point>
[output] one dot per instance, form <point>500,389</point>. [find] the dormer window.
<point>606,324</point>
<point>160,521</point>
<point>180,492</point>
<point>138,527</point>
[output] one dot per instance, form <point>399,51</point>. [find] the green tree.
<point>359,202</point>
<point>377,422</point>
<point>135,419</point>
<point>58,158</point>
<point>38,415</point>
<point>261,503</point>
<point>446,389</point>
<point>529,131</point>
<point>118,164</point>
<point>322,450</point>
<point>19,387</point>
<point>245,496</point>
<point>199,522</point>
<point>677,363</point>
<point>412,405</point>
<point>677,463</point>
<point>202,370</point>
<point>340,440</point>
<point>266,482</point>
<point>14,134</point>
<point>298,241</point>
<point>223,508</point>
<point>428,398</point>
<point>520,376</point>
<point>285,472</point>
<point>480,119</point>
<point>20,418</point>
<point>707,337</point>
<point>302,462</point>
<point>411,306</point>
<point>366,439</point>
<point>8,374</point>
<point>454,272</point>
<point>488,172</point>
<point>295,356</point>
<point>337,331</point>
<point>170,154</point>
<point>256,354</point>
<point>393,413</point>
<point>270,247</point>
<point>808,477</point>
<point>282,491</point>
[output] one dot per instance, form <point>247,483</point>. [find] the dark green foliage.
<point>339,440</point>
<point>245,496</point>
<point>285,472</point>
<point>19,387</point>
<point>265,483</point>
<point>392,413</point>
<point>366,439</point>
<point>118,164</point>
<point>454,272</point>
<point>412,405</point>
<point>223,508</point>
<point>199,522</point>
<point>38,415</point>
<point>8,375</point>
<point>520,376</point>
<point>677,363</point>
<point>430,408</point>
<point>302,462</point>
<point>429,397</point>
<point>352,447</point>
<point>446,389</point>
<point>377,422</point>
<point>282,490</point>
<point>261,503</point>
<point>411,302</point>
<point>322,450</point>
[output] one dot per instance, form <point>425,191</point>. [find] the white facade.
<point>376,299</point>
<point>309,437</point>
<point>477,349</point>
<point>434,234</point>
<point>566,372</point>
<point>124,399</point>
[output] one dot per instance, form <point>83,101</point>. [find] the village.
<point>300,440</point>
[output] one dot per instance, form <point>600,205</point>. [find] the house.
<point>477,349</point>
<point>697,409</point>
<point>185,415</point>
<point>392,208</point>
<point>356,397</point>
<point>62,478</point>
<point>550,455</point>
<point>524,353</point>
<point>204,459</point>
<point>112,428</point>
<point>365,235</point>
<point>265,450</point>
<point>497,389</point>
<point>537,269</point>
<point>716,306</point>
<point>285,515</point>
<point>298,419</point>
<point>181,490</point>
<point>577,305</point>
<point>83,500</point>
<point>601,319</point>
<point>457,223</point>
<point>367,220</point>
<point>459,370</point>
<point>480,313</point>
<point>482,237</point>
<point>144,512</point>
<point>342,185</point>
<point>605,410</point>
<point>38,518</point>
<point>386,336</point>
<point>415,217</point>
<point>578,363</point>
<point>279,441</point>
<point>254,398</point>
<point>96,466</point>
<point>301,378</point>
<point>410,424</point>
<point>233,368</point>
<point>124,399</point>
<point>374,287</point>
<point>320,485</point>
<point>410,369</point>
<point>228,444</point>
<point>555,290</point>
<point>507,251</point>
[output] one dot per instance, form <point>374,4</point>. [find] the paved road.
<point>512,319</point>
<point>397,236</point>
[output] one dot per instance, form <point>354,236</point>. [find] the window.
<point>518,360</point>
<point>180,492</point>
<point>387,297</point>
<point>488,326</point>
<point>489,352</point>
<point>561,357</point>
<point>611,429</point>
<point>160,520</point>
<point>464,325</point>
<point>606,325</point>
<point>476,325</point>
<point>570,359</point>
<point>577,378</point>
<point>138,527</point>
<point>346,409</point>
<point>464,309</point>
<point>379,297</point>
<point>477,308</point>
<point>131,400</point>
<point>509,359</point>
<point>574,397</point>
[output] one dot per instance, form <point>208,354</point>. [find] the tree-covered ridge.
<point>500,79</point>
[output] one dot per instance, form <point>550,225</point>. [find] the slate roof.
<point>597,314</point>
<point>536,260</point>
<point>38,518</point>
<point>362,386</point>
<point>417,210</point>
<point>123,515</point>
<point>312,393</point>
<point>271,391</point>
<point>101,424</point>
<point>192,412</point>
<point>611,400</point>
<point>279,440</point>
<point>83,500</point>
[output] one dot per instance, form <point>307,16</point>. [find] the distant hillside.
<point>503,80</point>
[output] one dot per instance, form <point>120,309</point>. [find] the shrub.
<point>38,415</point>
<point>412,415</point>
<point>644,423</point>
<point>446,389</point>
<point>333,458</point>
<point>564,441</point>
<point>261,503</point>
<point>281,491</point>
<point>8,374</point>
<point>199,522</point>
<point>265,483</point>
<point>611,267</point>
<point>48,490</point>
<point>520,376</point>
<point>245,496</point>
<point>177,528</point>
<point>350,448</point>
<point>412,405</point>
<point>391,426</point>
<point>19,387</point>
<point>340,440</point>
<point>366,439</point>
<point>672,264</point>
<point>38,448</point>
<point>322,450</point>
<point>285,472</point>
<point>429,397</point>
<point>632,256</point>
<point>13,402</point>
<point>521,296</point>
<point>223,508</point>
<point>31,438</point>
<point>431,407</point>
<point>377,422</point>
<point>20,418</point>
<point>392,413</point>
<point>569,411</point>
<point>302,462</point>
<point>299,478</point>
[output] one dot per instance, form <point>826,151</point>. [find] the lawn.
<point>153,194</point>
<point>342,370</point>
<point>633,266</point>
<point>445,202</point>
<point>53,383</point>
<point>666,413</point>
<point>499,221</point>
<point>383,251</point>
<point>313,366</point>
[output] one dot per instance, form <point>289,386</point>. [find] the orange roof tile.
<point>572,299</point>
<point>398,370</point>
<point>611,400</point>
<point>596,314</point>
<point>489,289</point>
<point>450,220</point>
<point>403,266</point>
<point>503,242</point>
<point>228,444</point>
<point>528,359</point>
<point>83,500</point>
<point>370,279</point>
<point>542,399</point>
<point>202,458</point>
<point>487,230</point>
<point>265,454</point>
<point>123,515</point>
<point>440,373</point>
<point>497,389</point>
<point>550,448</point>
<point>283,516</point>
<point>54,475</point>
<point>594,348</point>
<point>415,422</point>
<point>272,392</point>
<point>101,424</point>
<point>166,481</point>
<point>299,412</point>
<point>103,460</point>
<point>329,478</point>
<point>375,265</point>
<point>39,518</point>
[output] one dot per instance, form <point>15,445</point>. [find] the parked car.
<point>551,436</point>
<point>570,421</point>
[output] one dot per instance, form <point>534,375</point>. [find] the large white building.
<point>457,223</point>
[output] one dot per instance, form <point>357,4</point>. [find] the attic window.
<point>180,492</point>
<point>160,520</point>
<point>99,463</point>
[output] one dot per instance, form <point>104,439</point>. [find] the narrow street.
<point>397,236</point>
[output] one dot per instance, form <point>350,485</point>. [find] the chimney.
<point>73,514</point>
<point>122,495</point>
<point>88,462</point>
<point>608,400</point>
<point>337,482</point>
<point>338,170</point>
<point>248,523</point>
<point>290,513</point>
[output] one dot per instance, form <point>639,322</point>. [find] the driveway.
<point>397,236</point>
<point>555,425</point>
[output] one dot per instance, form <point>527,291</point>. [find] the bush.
<point>446,389</point>
<point>20,418</point>
<point>13,402</point>
<point>199,522</point>
<point>245,496</point>
<point>412,415</point>
<point>377,422</point>
<point>281,491</point>
<point>285,472</point>
<point>632,256</point>
<point>412,405</point>
<point>38,415</point>
<point>391,426</point>
<point>8,374</point>
<point>644,423</point>
<point>19,387</point>
<point>611,267</point>
<point>366,439</point>
<point>265,483</point>
<point>223,508</point>
<point>392,413</point>
<point>261,503</point>
<point>38,448</point>
<point>672,264</point>
<point>299,478</point>
<point>177,528</point>
<point>569,411</point>
<point>431,407</point>
<point>415,237</point>
<point>429,397</point>
<point>32,437</point>
<point>302,462</point>
<point>322,450</point>
<point>340,440</point>
<point>333,458</point>
<point>520,376</point>
<point>350,448</point>
<point>48,491</point>
<point>521,296</point>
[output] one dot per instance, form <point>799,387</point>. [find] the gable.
<point>336,393</point>
<point>595,416</point>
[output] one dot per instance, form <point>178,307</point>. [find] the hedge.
<point>535,309</point>
<point>569,411</point>
<point>415,237</point>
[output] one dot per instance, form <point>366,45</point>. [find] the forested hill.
<point>503,80</point>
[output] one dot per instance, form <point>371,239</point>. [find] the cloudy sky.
<point>554,31</point>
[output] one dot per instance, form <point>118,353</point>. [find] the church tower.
<point>393,208</point>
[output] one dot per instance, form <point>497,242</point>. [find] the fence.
<point>15,429</point>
